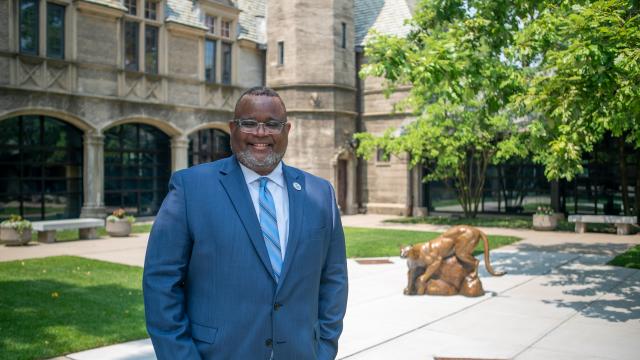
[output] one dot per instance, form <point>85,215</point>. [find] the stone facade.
<point>90,89</point>
<point>315,73</point>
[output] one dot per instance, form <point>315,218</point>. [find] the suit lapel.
<point>296,214</point>
<point>235,185</point>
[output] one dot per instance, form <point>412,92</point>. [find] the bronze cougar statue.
<point>446,265</point>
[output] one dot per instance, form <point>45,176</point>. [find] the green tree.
<point>585,82</point>
<point>461,81</point>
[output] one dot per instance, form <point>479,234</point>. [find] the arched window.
<point>208,145</point>
<point>137,160</point>
<point>41,168</point>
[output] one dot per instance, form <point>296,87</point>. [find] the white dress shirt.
<point>278,189</point>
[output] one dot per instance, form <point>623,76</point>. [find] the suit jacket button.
<point>277,306</point>
<point>268,342</point>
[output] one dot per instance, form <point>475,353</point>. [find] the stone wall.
<point>316,82</point>
<point>97,39</point>
<point>4,28</point>
<point>311,32</point>
<point>251,66</point>
<point>183,56</point>
<point>387,182</point>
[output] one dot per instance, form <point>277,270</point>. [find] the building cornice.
<point>248,44</point>
<point>374,115</point>
<point>115,98</point>
<point>99,8</point>
<point>184,29</point>
<point>321,111</point>
<point>312,86</point>
<point>222,7</point>
<point>402,88</point>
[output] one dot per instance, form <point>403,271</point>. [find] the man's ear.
<point>232,125</point>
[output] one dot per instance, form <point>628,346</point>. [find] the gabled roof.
<point>116,4</point>
<point>252,20</point>
<point>385,16</point>
<point>184,12</point>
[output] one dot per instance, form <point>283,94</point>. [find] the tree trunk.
<point>470,182</point>
<point>637,189</point>
<point>623,176</point>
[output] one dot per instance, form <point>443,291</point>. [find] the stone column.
<point>419,206</point>
<point>93,176</point>
<point>179,153</point>
<point>352,205</point>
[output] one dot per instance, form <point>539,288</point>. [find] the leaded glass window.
<point>210,61</point>
<point>55,31</point>
<point>137,161</point>
<point>132,6</point>
<point>41,162</point>
<point>226,63</point>
<point>208,145</point>
<point>131,29</point>
<point>151,49</point>
<point>29,28</point>
<point>150,10</point>
<point>210,23</point>
<point>225,30</point>
<point>280,52</point>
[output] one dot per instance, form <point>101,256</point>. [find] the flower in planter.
<point>120,214</point>
<point>17,223</point>
<point>544,210</point>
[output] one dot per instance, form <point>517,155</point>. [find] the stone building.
<point>100,100</point>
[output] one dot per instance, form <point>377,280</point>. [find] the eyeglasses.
<point>251,126</point>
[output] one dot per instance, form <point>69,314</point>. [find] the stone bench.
<point>622,223</point>
<point>87,227</point>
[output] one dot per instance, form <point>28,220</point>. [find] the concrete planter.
<point>545,222</point>
<point>11,237</point>
<point>118,228</point>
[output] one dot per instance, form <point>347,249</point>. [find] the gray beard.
<point>247,159</point>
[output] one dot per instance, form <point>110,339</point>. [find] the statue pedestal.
<point>452,279</point>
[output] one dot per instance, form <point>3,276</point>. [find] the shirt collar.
<point>276,175</point>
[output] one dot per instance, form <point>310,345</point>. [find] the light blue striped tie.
<point>269,225</point>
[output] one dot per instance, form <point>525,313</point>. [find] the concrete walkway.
<point>558,301</point>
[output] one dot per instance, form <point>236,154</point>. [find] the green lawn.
<point>59,305</point>
<point>362,242</point>
<point>630,258</point>
<point>63,304</point>
<point>68,235</point>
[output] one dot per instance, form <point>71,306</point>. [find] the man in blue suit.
<point>246,258</point>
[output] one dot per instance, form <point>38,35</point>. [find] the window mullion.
<point>42,28</point>
<point>141,47</point>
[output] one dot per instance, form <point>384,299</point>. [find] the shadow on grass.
<point>47,318</point>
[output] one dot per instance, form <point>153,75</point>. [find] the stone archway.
<point>343,166</point>
<point>137,163</point>
<point>208,142</point>
<point>42,162</point>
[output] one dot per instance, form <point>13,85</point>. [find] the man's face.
<point>260,152</point>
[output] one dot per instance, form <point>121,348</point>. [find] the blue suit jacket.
<point>209,290</point>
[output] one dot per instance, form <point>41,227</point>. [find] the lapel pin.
<point>297,186</point>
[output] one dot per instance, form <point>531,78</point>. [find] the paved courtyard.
<point>558,301</point>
